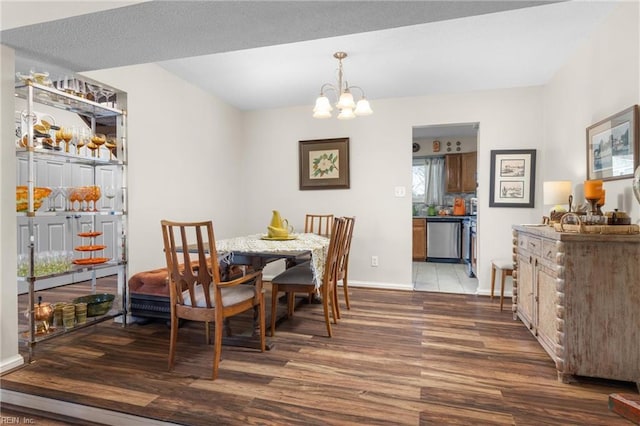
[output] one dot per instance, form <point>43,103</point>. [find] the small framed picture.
<point>513,175</point>
<point>324,164</point>
<point>612,146</point>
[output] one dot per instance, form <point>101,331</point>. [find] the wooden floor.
<point>397,357</point>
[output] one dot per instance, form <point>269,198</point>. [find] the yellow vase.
<point>276,221</point>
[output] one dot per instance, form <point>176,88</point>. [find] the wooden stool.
<point>506,266</point>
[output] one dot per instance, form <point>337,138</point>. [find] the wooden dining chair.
<point>320,224</point>
<point>342,271</point>
<point>196,290</point>
<point>300,279</point>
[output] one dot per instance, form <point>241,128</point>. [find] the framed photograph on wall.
<point>324,164</point>
<point>612,146</point>
<point>513,174</point>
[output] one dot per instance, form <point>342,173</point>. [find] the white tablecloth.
<point>316,244</point>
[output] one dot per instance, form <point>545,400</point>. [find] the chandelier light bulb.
<point>346,114</point>
<point>346,103</point>
<point>363,108</point>
<point>323,107</point>
<point>346,100</point>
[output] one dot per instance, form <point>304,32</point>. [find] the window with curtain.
<point>428,180</point>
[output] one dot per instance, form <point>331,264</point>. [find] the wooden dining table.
<point>257,251</point>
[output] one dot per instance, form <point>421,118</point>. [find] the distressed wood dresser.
<point>579,295</point>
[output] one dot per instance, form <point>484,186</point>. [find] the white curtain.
<point>428,180</point>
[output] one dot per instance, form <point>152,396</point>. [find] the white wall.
<point>193,157</point>
<point>601,79</point>
<point>184,146</point>
<point>467,144</point>
<point>380,151</point>
<point>9,357</point>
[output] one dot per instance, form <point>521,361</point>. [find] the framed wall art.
<point>324,164</point>
<point>612,146</point>
<point>513,174</point>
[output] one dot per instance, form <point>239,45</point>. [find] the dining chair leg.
<point>335,304</point>
<point>261,312</point>
<point>207,333</point>
<point>274,307</point>
<point>217,329</point>
<point>173,341</point>
<point>325,306</point>
<point>345,288</point>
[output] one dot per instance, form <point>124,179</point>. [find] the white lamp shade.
<point>556,192</point>
<point>322,114</point>
<point>346,114</point>
<point>363,108</point>
<point>322,105</point>
<point>346,101</point>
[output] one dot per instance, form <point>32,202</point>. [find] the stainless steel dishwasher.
<point>443,240</point>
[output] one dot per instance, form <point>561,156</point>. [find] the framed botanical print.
<point>324,164</point>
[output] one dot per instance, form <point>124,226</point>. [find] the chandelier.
<point>346,105</point>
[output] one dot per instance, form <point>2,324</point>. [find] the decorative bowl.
<point>97,304</point>
<point>22,197</point>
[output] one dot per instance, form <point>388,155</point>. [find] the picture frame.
<point>612,146</point>
<point>513,174</point>
<point>324,164</point>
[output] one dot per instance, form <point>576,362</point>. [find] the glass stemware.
<point>82,140</point>
<point>110,193</point>
<point>59,138</point>
<point>67,135</point>
<point>93,195</point>
<point>74,195</point>
<point>92,146</point>
<point>94,91</point>
<point>98,139</point>
<point>111,144</point>
<point>55,191</point>
<point>64,191</point>
<point>107,93</point>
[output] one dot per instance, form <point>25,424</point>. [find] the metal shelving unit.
<point>94,114</point>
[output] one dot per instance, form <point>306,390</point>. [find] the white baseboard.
<point>77,411</point>
<point>11,363</point>
<point>379,285</point>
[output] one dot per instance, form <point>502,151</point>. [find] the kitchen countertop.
<point>445,217</point>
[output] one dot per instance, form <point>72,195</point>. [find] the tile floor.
<point>443,278</point>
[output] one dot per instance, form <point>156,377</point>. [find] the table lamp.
<point>556,194</point>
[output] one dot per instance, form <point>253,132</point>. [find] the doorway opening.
<point>444,174</point>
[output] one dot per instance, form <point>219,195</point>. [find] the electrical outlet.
<point>374,260</point>
<point>400,191</point>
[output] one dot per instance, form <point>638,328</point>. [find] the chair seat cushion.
<point>299,274</point>
<point>230,295</point>
<point>503,263</point>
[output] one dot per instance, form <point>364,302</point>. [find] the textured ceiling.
<point>160,30</point>
<point>264,54</point>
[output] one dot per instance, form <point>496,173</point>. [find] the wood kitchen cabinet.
<point>460,172</point>
<point>419,239</point>
<point>578,294</point>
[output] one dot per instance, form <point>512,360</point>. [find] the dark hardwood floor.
<point>397,357</point>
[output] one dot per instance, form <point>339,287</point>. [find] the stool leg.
<point>504,278</point>
<point>493,278</point>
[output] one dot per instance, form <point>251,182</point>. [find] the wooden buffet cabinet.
<point>579,294</point>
